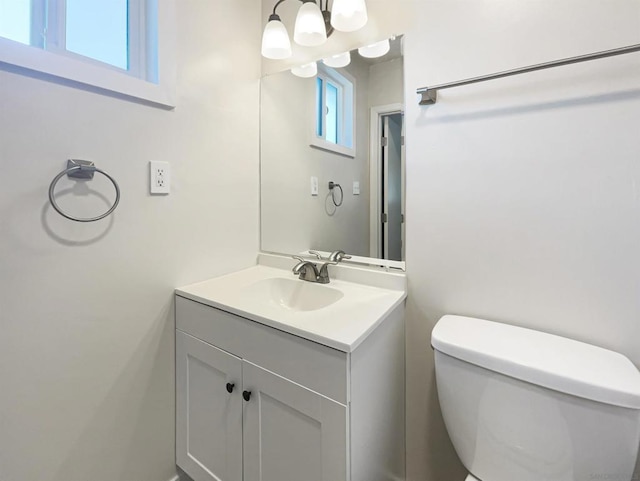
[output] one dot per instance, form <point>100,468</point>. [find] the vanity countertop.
<point>340,314</point>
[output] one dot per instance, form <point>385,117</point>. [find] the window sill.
<point>331,147</point>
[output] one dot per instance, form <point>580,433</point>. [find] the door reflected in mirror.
<point>343,127</point>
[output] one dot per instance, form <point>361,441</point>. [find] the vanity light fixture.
<point>375,50</point>
<point>309,29</point>
<point>275,39</point>
<point>338,61</point>
<point>314,23</point>
<point>349,15</point>
<point>305,71</point>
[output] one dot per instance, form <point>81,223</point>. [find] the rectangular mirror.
<point>332,159</point>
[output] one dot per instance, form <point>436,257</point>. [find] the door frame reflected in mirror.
<point>378,185</point>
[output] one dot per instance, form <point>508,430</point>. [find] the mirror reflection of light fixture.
<point>314,23</point>
<point>375,50</point>
<point>338,61</point>
<point>305,71</point>
<point>349,15</point>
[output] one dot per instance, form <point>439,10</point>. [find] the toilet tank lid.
<point>547,360</point>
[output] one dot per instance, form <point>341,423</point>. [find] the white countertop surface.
<point>342,325</point>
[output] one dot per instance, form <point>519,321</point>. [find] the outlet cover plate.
<point>159,177</point>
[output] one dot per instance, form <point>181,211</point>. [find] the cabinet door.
<point>208,417</point>
<point>290,432</point>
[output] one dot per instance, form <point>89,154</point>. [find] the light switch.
<point>356,187</point>
<point>314,186</point>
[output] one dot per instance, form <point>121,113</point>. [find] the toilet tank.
<point>522,405</point>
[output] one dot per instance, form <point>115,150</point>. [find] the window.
<point>15,18</point>
<point>334,111</point>
<point>103,31</point>
<point>110,44</point>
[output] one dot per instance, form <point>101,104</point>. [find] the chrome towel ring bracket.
<point>81,169</point>
<point>332,186</point>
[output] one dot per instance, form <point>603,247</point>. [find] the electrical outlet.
<point>159,177</point>
<point>356,187</point>
<point>314,186</point>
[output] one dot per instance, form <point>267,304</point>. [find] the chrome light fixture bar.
<point>314,24</point>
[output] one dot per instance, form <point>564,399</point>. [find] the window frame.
<point>48,58</point>
<point>347,104</point>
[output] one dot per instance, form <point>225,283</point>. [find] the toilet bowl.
<point>522,405</point>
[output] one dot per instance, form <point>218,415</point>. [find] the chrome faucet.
<point>306,270</point>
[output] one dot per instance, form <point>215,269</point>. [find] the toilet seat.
<point>471,477</point>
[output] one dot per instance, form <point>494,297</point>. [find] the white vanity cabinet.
<point>255,403</point>
<point>209,418</point>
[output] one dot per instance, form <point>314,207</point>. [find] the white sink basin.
<point>293,294</point>
<point>339,314</point>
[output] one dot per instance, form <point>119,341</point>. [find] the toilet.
<point>522,405</point>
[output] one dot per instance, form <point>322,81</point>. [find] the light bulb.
<point>275,40</point>
<point>338,61</point>
<point>375,50</point>
<point>305,71</point>
<point>349,15</point>
<point>310,30</point>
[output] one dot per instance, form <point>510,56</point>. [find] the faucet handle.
<point>329,263</point>
<point>298,258</point>
<point>317,254</point>
<point>323,271</point>
<point>338,256</point>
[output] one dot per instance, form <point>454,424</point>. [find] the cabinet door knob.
<point>246,395</point>
<point>230,387</point>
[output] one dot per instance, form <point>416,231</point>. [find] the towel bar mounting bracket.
<point>85,172</point>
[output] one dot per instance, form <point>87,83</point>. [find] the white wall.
<point>86,311</point>
<point>386,83</point>
<point>522,195</point>
<point>292,219</point>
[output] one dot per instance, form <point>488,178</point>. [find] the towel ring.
<point>332,185</point>
<point>82,169</point>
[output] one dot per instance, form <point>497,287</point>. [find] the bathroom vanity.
<point>281,379</point>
